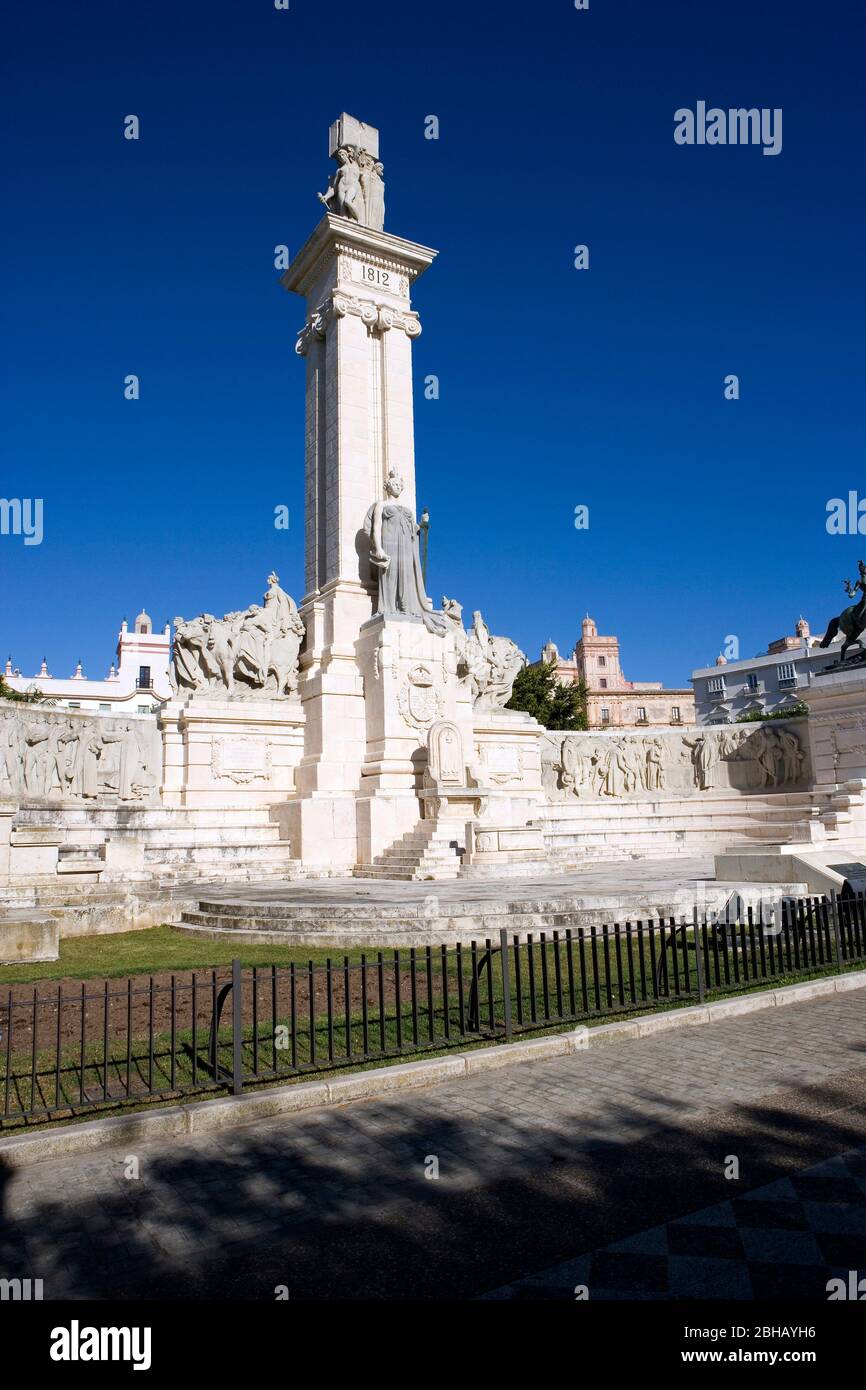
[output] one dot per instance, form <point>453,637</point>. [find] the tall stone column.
<point>357,345</point>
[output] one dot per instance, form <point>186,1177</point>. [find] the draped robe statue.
<point>395,557</point>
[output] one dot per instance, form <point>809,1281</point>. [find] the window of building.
<point>787,674</point>
<point>74,704</point>
<point>641,714</point>
<point>717,685</point>
<point>603,683</point>
<point>144,677</point>
<point>605,715</point>
<point>142,709</point>
<point>602,661</point>
<point>752,681</point>
<point>675,714</point>
<point>104,707</point>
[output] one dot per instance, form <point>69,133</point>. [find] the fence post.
<point>837,934</point>
<point>237,1029</point>
<point>699,962</point>
<point>506,981</point>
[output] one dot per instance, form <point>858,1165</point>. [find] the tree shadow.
<point>338,1204</point>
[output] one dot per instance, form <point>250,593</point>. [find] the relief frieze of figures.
<point>749,758</point>
<point>48,755</point>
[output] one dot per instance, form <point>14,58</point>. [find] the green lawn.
<point>158,948</point>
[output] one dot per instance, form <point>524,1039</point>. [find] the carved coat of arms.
<point>420,701</point>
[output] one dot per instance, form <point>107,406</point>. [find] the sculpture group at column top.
<point>254,652</point>
<point>357,188</point>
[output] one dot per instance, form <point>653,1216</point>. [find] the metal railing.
<point>99,1047</point>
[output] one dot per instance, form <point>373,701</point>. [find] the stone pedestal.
<point>506,850</point>
<point>507,763</point>
<point>410,682</point>
<point>35,849</point>
<point>837,738</point>
<point>7,811</point>
<point>230,752</point>
<point>28,936</point>
<point>832,850</point>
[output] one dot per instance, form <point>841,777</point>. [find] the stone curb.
<point>230,1112</point>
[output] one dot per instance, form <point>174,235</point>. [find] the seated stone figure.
<point>490,664</point>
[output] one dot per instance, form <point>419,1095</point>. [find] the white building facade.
<point>137,682</point>
<point>772,683</point>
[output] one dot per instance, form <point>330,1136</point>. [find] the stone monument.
<point>380,665</point>
<point>363,730</point>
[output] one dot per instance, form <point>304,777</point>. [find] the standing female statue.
<point>394,554</point>
<point>373,187</point>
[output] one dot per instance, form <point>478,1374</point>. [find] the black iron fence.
<point>123,1042</point>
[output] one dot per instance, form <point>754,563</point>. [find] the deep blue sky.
<point>558,387</point>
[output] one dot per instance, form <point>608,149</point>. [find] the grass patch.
<point>115,954</point>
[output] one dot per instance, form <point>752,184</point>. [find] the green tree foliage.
<point>539,693</point>
<point>797,711</point>
<point>24,697</point>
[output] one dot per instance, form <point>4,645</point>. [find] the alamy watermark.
<point>77,1343</point>
<point>20,1290</point>
<point>846,516</point>
<point>737,126</point>
<point>22,516</point>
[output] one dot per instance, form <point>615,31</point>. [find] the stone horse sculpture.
<point>251,652</point>
<point>851,621</point>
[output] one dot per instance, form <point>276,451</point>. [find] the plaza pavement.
<point>538,1166</point>
<point>654,879</point>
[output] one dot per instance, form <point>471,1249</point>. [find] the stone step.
<point>407,865</point>
<point>679,809</point>
<point>138,819</point>
<point>425,853</point>
<point>575,856</point>
<point>404,860</point>
<point>229,855</point>
<point>205,835</point>
<point>421,843</point>
<point>727,816</point>
<point>699,825</point>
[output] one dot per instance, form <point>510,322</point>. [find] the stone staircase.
<point>581,831</point>
<point>425,853</point>
<point>175,845</point>
<point>113,877</point>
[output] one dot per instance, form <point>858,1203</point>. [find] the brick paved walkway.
<point>784,1240</point>
<point>537,1163</point>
